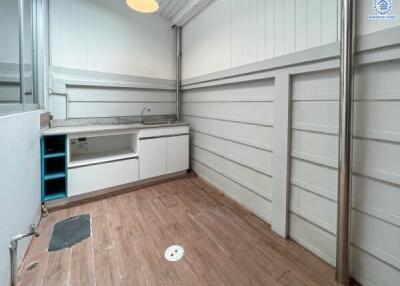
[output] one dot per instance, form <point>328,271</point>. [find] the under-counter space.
<point>96,148</point>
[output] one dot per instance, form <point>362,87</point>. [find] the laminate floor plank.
<point>225,244</point>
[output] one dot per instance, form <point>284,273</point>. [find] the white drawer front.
<point>96,177</point>
<point>163,131</point>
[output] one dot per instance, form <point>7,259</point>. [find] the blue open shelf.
<point>54,197</point>
<point>54,167</point>
<point>54,176</point>
<point>54,155</point>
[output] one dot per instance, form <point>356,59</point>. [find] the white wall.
<point>20,182</point>
<point>123,60</point>
<point>231,139</point>
<point>107,36</point>
<point>376,184</point>
<point>235,83</point>
<point>230,33</point>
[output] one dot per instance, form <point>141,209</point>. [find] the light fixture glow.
<point>143,6</point>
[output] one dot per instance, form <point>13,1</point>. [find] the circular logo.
<point>383,7</point>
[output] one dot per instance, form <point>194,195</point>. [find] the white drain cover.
<point>174,253</point>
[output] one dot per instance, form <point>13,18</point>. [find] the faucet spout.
<point>141,116</point>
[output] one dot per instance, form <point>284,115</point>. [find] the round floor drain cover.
<point>174,253</point>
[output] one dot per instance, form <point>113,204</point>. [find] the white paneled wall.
<point>109,61</point>
<point>106,36</point>
<point>113,102</point>
<point>231,141</point>
<point>230,33</point>
<point>235,137</point>
<point>376,184</point>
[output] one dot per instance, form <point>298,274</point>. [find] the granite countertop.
<point>105,128</point>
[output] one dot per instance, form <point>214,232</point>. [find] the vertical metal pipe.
<point>178,71</point>
<point>345,142</point>
<point>21,52</point>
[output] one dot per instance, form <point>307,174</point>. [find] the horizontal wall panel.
<point>377,159</point>
<point>376,198</point>
<point>365,267</point>
<point>94,94</point>
<point>9,93</point>
<point>378,82</point>
<point>314,238</point>
<point>377,120</point>
<point>378,238</point>
<point>315,178</point>
<point>255,158</point>
<point>314,208</point>
<point>260,90</point>
<point>240,111</point>
<point>253,135</point>
<point>315,147</point>
<point>323,85</point>
<point>112,109</point>
<point>248,178</point>
<point>250,200</point>
<point>319,116</point>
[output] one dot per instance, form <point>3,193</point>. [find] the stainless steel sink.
<point>157,122</point>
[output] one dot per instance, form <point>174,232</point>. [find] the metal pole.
<point>21,53</point>
<point>345,142</point>
<point>178,71</point>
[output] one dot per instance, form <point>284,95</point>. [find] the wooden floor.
<point>224,244</point>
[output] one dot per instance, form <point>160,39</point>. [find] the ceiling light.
<point>143,6</point>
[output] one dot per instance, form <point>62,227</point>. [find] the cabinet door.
<point>177,153</point>
<point>153,157</point>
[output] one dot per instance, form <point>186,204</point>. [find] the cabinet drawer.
<point>163,131</point>
<point>96,177</point>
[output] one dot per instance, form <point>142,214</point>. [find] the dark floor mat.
<point>69,232</point>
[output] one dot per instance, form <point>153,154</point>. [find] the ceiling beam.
<point>189,11</point>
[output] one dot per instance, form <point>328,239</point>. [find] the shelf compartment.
<point>98,149</point>
<point>100,157</point>
<point>54,144</point>
<point>54,165</point>
<point>55,189</point>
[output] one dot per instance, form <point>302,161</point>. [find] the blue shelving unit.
<point>54,167</point>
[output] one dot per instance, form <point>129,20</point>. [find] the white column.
<point>281,157</point>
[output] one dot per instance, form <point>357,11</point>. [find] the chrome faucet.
<point>13,251</point>
<point>141,116</point>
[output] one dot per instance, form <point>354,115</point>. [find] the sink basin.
<point>157,122</point>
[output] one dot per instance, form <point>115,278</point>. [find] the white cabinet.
<point>96,177</point>
<point>153,157</point>
<point>177,153</point>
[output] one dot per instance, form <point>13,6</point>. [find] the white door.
<point>177,153</point>
<point>153,158</point>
